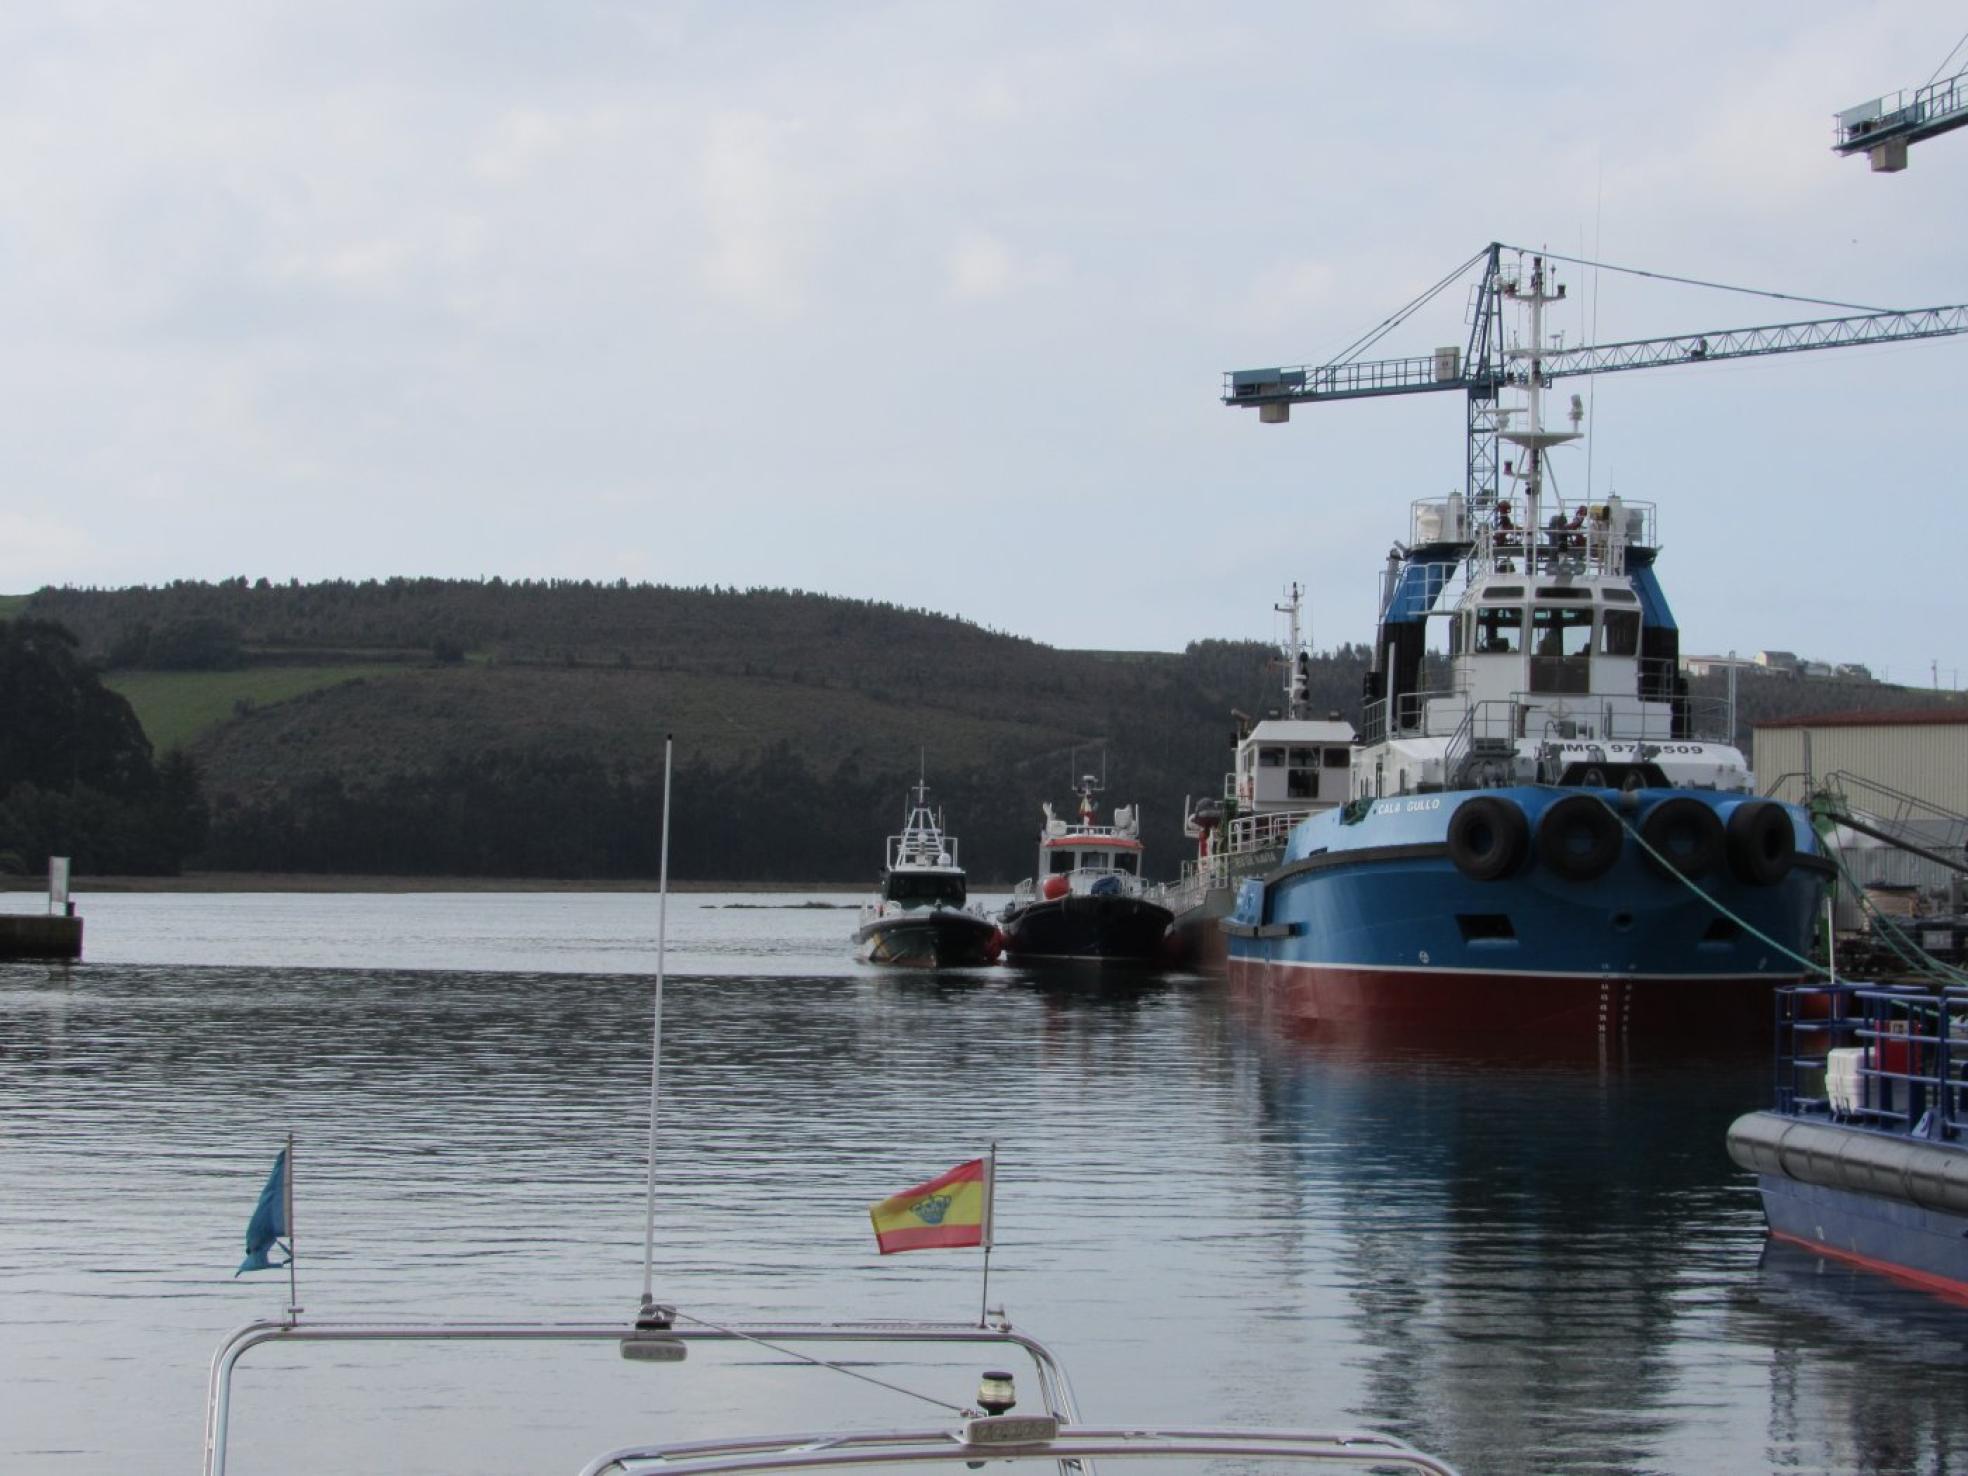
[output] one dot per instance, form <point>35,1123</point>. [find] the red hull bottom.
<point>1945,1286</point>
<point>1443,1006</point>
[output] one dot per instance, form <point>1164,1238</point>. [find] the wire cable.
<point>823,1363</point>
<point>1673,871</point>
<point>1946,59</point>
<point>1400,315</point>
<point>1857,307</point>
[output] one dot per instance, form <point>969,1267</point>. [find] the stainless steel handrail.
<point>825,1450</point>
<point>1055,1389</point>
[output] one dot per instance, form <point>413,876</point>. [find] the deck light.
<point>995,1392</point>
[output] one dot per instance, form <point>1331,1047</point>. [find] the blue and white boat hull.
<point>1375,925</point>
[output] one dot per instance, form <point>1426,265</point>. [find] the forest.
<point>426,727</point>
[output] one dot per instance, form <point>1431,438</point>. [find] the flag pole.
<point>287,1214</point>
<point>656,1042</point>
<point>990,1205</point>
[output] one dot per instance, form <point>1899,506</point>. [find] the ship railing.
<point>667,1339</point>
<point>1595,544</point>
<point>1413,714</point>
<point>1890,1057</point>
<point>1081,880</point>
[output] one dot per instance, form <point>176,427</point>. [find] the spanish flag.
<point>953,1209</point>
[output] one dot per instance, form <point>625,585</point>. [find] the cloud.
<point>754,214</point>
<point>33,543</point>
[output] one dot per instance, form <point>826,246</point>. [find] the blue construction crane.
<point>1483,367</point>
<point>1882,129</point>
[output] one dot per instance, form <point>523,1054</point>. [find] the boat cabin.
<point>1062,855</point>
<point>1291,764</point>
<point>924,886</point>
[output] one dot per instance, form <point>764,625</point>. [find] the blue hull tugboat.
<point>1548,838</point>
<point>1087,904</point>
<point>919,917</point>
<point>1865,1156</point>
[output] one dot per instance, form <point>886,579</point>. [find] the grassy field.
<point>177,706</point>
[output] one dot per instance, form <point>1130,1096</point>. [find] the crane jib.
<point>1302,383</point>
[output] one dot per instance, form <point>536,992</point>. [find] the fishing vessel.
<point>1285,767</point>
<point>1545,835</point>
<point>1864,1157</point>
<point>1087,901</point>
<point>920,916</point>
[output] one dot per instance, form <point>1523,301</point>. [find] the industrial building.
<point>1903,774</point>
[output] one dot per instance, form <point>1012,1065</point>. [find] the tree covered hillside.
<point>76,774</point>
<point>517,729</point>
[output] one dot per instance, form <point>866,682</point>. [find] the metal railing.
<point>1081,881</point>
<point>1908,1076</point>
<point>1902,113</point>
<point>1665,718</point>
<point>1596,545</point>
<point>1056,1392</point>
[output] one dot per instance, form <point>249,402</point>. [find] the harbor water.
<point>1521,1264</point>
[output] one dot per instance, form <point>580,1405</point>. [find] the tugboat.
<point>1559,843</point>
<point>1288,767</point>
<point>919,917</point>
<point>1087,902</point>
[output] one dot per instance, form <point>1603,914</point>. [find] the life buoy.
<point>1762,844</point>
<point>1054,887</point>
<point>1488,837</point>
<point>1579,838</point>
<point>1686,833</point>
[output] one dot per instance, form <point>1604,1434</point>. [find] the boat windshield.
<point>924,888</point>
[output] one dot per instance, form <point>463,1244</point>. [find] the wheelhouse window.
<point>1338,758</point>
<point>1302,774</point>
<point>1561,648</point>
<point>1270,758</point>
<point>1619,633</point>
<point>1561,632</point>
<point>1059,863</point>
<point>1127,861</point>
<point>1499,630</point>
<point>917,889</point>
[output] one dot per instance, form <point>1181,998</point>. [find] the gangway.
<point>1882,129</point>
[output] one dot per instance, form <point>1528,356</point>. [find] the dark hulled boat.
<point>1087,902</point>
<point>920,916</point>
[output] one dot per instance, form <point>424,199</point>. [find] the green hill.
<point>422,726</point>
<point>428,726</point>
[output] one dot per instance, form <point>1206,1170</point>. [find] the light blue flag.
<point>269,1221</point>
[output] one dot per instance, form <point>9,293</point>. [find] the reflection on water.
<point>1525,1266</point>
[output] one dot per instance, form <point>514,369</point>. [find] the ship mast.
<point>1298,700</point>
<point>1533,438</point>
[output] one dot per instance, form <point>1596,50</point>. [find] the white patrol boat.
<point>919,916</point>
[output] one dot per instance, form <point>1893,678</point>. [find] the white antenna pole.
<point>990,1230</point>
<point>656,1040</point>
<point>287,1214</point>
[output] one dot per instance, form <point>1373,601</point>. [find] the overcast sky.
<point>930,303</point>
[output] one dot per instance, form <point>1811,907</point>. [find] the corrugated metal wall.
<point>1926,760</point>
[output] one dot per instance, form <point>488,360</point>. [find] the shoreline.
<point>249,881</point>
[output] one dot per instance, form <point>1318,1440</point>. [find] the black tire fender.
<point>1488,837</point>
<point>1578,838</point>
<point>1762,844</point>
<point>1688,835</point>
